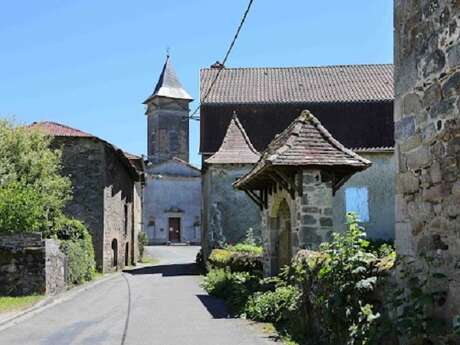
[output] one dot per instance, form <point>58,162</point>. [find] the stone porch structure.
<point>294,183</point>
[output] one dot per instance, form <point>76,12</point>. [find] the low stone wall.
<point>30,265</point>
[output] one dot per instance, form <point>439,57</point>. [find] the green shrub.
<point>273,306</point>
<point>22,208</point>
<point>244,262</point>
<point>245,248</point>
<point>339,288</point>
<point>65,228</point>
<point>32,190</point>
<point>220,258</point>
<point>142,241</point>
<point>235,287</point>
<point>238,258</point>
<point>79,251</point>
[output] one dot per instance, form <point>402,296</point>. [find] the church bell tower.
<point>167,118</point>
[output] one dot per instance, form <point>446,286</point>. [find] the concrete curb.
<point>52,301</point>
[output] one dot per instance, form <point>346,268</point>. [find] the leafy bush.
<point>245,248</point>
<point>339,289</point>
<point>235,288</point>
<point>273,306</point>
<point>65,228</point>
<point>244,262</point>
<point>32,190</point>
<point>142,241</point>
<point>220,258</point>
<point>22,208</point>
<point>79,251</point>
<point>235,261</point>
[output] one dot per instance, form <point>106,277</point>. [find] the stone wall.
<point>83,160</point>
<point>228,213</point>
<point>370,193</point>
<point>118,213</point>
<point>299,221</point>
<point>30,265</point>
<point>427,132</point>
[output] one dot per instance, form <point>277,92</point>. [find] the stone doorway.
<point>127,254</point>
<point>284,243</point>
<point>284,236</point>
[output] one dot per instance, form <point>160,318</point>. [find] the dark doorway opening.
<point>174,229</point>
<point>127,254</point>
<point>284,235</point>
<point>115,252</point>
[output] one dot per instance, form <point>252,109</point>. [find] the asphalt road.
<point>156,305</point>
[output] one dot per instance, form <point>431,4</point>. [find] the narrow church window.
<point>357,201</point>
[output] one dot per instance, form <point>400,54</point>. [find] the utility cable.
<point>193,116</point>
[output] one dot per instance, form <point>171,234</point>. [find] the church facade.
<point>172,192</point>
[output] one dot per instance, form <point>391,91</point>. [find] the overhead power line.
<point>194,115</point>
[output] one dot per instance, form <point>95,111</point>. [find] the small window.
<point>357,201</point>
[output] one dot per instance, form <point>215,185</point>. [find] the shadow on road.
<point>167,270</point>
<point>215,306</point>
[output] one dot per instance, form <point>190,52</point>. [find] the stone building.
<point>354,102</point>
<point>293,185</point>
<point>427,133</point>
<point>173,202</point>
<point>172,193</point>
<point>106,192</point>
<point>235,158</point>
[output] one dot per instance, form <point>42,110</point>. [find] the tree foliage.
<point>33,193</point>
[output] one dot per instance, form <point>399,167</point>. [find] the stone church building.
<point>172,193</point>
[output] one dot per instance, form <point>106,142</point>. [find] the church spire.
<point>168,84</point>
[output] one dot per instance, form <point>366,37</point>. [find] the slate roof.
<point>236,148</point>
<point>305,143</point>
<point>328,84</point>
<point>59,130</point>
<point>168,85</point>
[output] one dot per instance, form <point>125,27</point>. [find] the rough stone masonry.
<point>427,133</point>
<point>29,264</point>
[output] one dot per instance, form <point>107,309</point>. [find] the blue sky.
<point>90,64</point>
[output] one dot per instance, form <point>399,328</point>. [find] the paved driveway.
<point>161,304</point>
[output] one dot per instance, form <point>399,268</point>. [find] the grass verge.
<point>8,303</point>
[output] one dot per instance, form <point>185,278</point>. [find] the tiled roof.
<point>59,130</point>
<point>236,148</point>
<point>168,85</point>
<point>305,143</point>
<point>329,84</point>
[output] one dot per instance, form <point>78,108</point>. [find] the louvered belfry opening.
<point>300,171</point>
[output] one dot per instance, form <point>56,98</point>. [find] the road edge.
<point>50,301</point>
